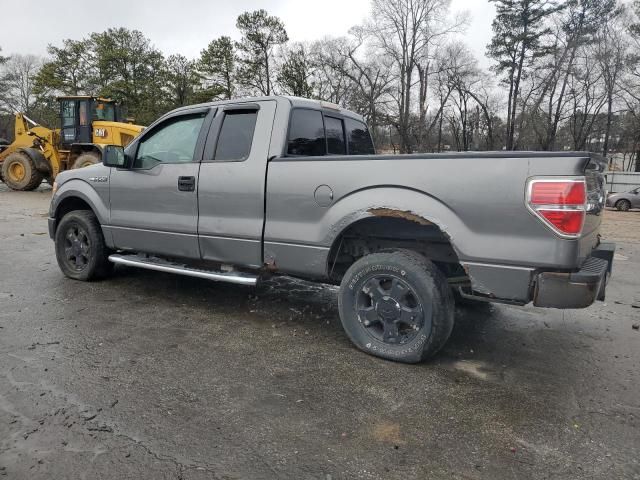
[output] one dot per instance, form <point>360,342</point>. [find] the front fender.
<point>76,188</point>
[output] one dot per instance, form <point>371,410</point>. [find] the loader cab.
<point>77,115</point>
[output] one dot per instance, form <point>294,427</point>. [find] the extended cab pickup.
<point>240,189</point>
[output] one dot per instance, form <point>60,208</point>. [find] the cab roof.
<point>294,102</point>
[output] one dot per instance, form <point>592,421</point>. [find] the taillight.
<point>559,203</point>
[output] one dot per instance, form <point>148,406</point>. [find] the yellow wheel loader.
<point>38,153</point>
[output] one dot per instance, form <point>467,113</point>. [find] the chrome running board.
<point>161,265</point>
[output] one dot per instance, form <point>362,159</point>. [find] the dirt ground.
<point>156,376</point>
<point>621,226</point>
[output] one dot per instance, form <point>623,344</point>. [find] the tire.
<point>80,248</point>
<point>19,172</point>
<point>86,159</point>
<point>623,205</point>
<point>396,305</point>
<point>4,141</point>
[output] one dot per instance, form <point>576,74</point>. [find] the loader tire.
<point>80,248</point>
<point>19,172</point>
<point>86,159</point>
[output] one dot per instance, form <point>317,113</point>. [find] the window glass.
<point>68,113</point>
<point>306,133</point>
<point>360,142</point>
<point>236,135</point>
<point>104,111</point>
<point>335,136</point>
<point>173,142</point>
<point>83,113</point>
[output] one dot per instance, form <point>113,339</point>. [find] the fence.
<point>622,181</point>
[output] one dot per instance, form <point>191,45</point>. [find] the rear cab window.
<point>236,135</point>
<point>316,133</point>
<point>306,133</point>
<point>334,130</point>
<point>360,142</point>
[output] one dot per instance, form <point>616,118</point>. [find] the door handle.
<point>186,184</point>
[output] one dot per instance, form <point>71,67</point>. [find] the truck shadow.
<point>486,338</point>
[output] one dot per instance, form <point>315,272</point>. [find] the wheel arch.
<point>76,194</point>
<point>401,215</point>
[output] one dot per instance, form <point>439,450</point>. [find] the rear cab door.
<point>231,188</point>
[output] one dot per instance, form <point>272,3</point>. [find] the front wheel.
<point>80,248</point>
<point>623,205</point>
<point>396,305</point>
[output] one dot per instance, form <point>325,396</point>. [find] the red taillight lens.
<point>567,221</point>
<point>557,193</point>
<point>559,203</point>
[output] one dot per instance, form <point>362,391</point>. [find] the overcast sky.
<point>187,26</point>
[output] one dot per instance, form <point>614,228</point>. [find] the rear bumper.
<point>576,289</point>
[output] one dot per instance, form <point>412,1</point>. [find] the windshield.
<point>104,111</point>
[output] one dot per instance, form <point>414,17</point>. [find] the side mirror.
<point>113,156</point>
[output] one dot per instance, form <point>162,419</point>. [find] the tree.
<point>404,30</point>
<point>366,73</point>
<point>131,70</point>
<point>328,64</point>
<point>217,67</point>
<point>294,75</point>
<point>260,34</point>
<point>518,32</point>
<point>579,22</point>
<point>18,79</point>
<point>182,80</point>
<point>3,79</point>
<point>70,69</point>
<point>610,54</point>
<point>631,89</point>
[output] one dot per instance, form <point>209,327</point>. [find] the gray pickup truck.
<point>237,190</point>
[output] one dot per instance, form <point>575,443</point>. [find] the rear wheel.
<point>396,305</point>
<point>80,248</point>
<point>86,159</point>
<point>19,172</point>
<point>623,205</point>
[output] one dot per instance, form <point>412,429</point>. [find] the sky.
<point>187,26</point>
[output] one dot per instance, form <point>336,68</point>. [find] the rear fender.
<point>408,204</point>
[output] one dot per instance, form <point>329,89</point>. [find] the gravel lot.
<point>154,376</point>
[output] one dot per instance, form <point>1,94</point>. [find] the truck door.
<point>232,182</point>
<point>154,204</point>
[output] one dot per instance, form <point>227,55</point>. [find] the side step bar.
<point>161,265</point>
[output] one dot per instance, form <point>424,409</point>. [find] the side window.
<point>236,135</point>
<point>172,142</point>
<point>335,136</point>
<point>360,142</point>
<point>306,133</point>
